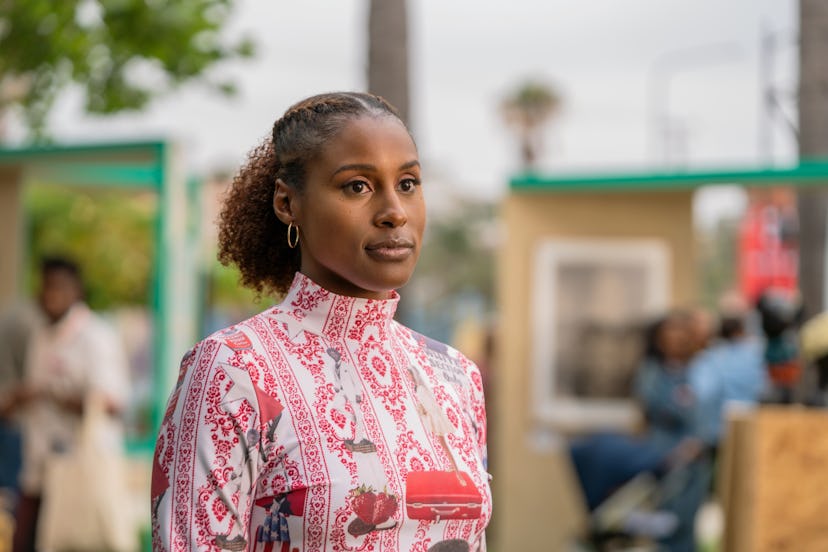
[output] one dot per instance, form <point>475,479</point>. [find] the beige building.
<point>584,262</point>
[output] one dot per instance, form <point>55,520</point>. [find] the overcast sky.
<point>605,57</point>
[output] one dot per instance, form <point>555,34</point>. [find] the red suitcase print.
<point>436,495</point>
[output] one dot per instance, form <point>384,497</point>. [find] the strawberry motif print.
<point>373,510</point>
<point>322,424</point>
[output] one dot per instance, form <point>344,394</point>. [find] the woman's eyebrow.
<point>354,167</point>
<point>372,168</point>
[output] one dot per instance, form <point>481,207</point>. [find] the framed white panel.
<point>591,300</point>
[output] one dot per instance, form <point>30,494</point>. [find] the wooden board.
<point>774,481</point>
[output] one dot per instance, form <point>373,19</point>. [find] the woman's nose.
<point>391,211</point>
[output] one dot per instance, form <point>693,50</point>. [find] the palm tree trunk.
<point>388,53</point>
<point>813,142</point>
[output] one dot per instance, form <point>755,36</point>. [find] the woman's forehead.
<point>370,138</point>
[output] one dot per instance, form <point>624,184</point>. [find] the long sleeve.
<point>478,406</point>
<point>206,455</point>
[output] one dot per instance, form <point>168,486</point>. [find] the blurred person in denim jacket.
<point>670,407</point>
<point>662,384</point>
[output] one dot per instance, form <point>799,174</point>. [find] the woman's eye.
<point>408,184</point>
<point>356,187</point>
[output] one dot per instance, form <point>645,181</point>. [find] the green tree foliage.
<point>455,273</point>
<point>459,254</point>
<point>121,52</point>
<point>225,292</point>
<point>108,233</point>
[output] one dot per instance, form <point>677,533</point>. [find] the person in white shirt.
<point>71,353</point>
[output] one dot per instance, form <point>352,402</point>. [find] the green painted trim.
<point>38,152</point>
<point>808,172</point>
<point>110,175</point>
<point>141,447</point>
<point>196,205</point>
<point>159,300</point>
<point>195,209</point>
<point>55,164</point>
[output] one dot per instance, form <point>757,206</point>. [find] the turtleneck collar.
<point>313,308</point>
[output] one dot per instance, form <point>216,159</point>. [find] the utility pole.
<point>813,142</point>
<point>771,107</point>
<point>667,134</point>
<point>766,105</point>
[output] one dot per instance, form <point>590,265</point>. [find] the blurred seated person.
<point>70,354</point>
<point>662,384</point>
<point>670,408</point>
<point>731,372</point>
<point>604,462</point>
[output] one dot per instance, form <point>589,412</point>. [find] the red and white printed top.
<point>322,424</point>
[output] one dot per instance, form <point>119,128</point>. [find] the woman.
<point>672,413</point>
<point>662,383</point>
<point>604,461</point>
<point>302,427</point>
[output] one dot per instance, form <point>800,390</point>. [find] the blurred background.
<point>591,169</point>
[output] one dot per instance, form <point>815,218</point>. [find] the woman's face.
<point>361,214</point>
<point>674,340</point>
<point>59,291</point>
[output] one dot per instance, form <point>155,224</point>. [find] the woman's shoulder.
<point>427,344</point>
<point>438,352</point>
<point>247,333</point>
<point>231,351</point>
<point>241,336</point>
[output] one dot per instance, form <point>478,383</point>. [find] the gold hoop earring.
<point>292,243</point>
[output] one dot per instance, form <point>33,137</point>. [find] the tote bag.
<point>86,502</point>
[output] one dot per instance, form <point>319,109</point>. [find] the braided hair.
<point>250,235</point>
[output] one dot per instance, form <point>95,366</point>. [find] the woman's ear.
<point>283,202</point>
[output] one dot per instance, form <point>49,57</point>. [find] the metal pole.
<point>771,108</point>
<point>665,67</point>
<point>766,104</point>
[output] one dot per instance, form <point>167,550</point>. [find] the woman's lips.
<point>390,250</point>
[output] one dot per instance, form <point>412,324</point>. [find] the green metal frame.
<point>808,172</point>
<point>65,164</point>
<point>74,165</point>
